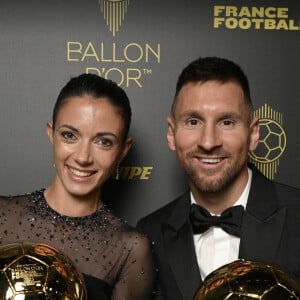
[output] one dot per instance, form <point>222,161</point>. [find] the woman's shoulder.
<point>15,198</point>
<point>127,232</point>
<point>134,239</point>
<point>14,204</point>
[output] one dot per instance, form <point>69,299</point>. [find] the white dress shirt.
<point>215,248</point>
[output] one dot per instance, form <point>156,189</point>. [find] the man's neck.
<point>217,202</point>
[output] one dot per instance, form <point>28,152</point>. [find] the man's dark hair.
<point>213,68</point>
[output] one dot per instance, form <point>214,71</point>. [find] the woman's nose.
<point>83,154</point>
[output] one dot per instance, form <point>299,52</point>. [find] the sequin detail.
<point>101,244</point>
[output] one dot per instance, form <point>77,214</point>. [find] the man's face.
<point>212,132</point>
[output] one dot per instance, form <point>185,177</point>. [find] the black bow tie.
<point>230,220</point>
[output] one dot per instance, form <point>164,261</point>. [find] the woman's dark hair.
<point>97,87</point>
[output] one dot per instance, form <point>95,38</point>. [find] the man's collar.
<point>243,199</point>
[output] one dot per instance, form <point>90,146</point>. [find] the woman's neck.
<point>71,205</point>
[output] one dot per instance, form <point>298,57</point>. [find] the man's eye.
<point>227,123</point>
<point>193,122</point>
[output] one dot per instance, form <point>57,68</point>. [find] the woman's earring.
<point>117,173</point>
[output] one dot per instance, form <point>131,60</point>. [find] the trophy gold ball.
<point>246,280</point>
<point>37,271</point>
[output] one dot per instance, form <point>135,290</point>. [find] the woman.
<point>89,134</point>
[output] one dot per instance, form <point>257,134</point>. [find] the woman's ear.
<point>126,147</point>
<point>50,131</point>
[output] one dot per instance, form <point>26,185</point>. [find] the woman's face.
<point>88,143</point>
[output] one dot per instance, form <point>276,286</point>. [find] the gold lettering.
<point>258,12</point>
<point>93,53</point>
<point>133,75</point>
<point>134,172</point>
<point>114,54</point>
<point>218,10</point>
<point>292,25</point>
<point>269,18</point>
<point>282,12</point>
<point>132,52</point>
<point>257,23</point>
<point>124,171</point>
<point>244,12</point>
<point>138,47</point>
<point>231,11</point>
<point>77,49</point>
<point>102,54</point>
<point>245,23</point>
<point>146,172</point>
<point>115,70</point>
<point>218,22</point>
<point>282,25</point>
<point>156,54</point>
<point>231,23</point>
<point>270,24</point>
<point>254,12</point>
<point>270,12</point>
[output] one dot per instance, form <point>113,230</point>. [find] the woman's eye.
<point>68,135</point>
<point>105,142</point>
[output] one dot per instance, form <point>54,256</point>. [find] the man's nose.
<point>209,137</point>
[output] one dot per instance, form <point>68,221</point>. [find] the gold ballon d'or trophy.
<point>37,271</point>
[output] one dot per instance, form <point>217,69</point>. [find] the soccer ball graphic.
<point>272,142</point>
<point>249,280</point>
<point>37,271</point>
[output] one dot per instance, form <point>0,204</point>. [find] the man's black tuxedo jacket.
<point>270,233</point>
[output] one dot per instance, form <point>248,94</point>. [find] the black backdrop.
<point>143,45</point>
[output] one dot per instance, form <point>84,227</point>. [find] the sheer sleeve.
<point>116,260</point>
<point>137,278</point>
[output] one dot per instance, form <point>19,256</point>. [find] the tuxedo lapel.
<point>263,221</point>
<point>260,238</point>
<point>180,251</point>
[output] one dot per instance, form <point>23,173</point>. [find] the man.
<point>211,128</point>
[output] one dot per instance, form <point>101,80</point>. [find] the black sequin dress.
<point>114,258</point>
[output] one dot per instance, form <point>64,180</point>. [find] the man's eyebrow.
<point>189,113</point>
<point>197,114</point>
<point>230,114</point>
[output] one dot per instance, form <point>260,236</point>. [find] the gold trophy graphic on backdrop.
<point>114,13</point>
<point>272,142</point>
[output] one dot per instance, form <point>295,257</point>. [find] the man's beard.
<point>206,182</point>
